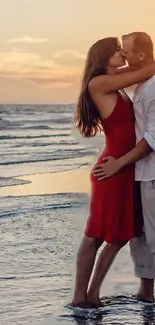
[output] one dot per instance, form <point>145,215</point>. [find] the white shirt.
<point>144,109</point>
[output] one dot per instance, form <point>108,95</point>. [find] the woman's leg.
<point>84,265</point>
<point>104,262</point>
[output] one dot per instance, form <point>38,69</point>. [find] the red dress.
<point>115,208</point>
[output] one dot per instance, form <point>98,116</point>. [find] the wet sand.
<point>74,181</point>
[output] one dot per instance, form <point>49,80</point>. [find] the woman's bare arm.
<point>109,83</point>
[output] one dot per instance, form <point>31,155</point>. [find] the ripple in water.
<point>116,310</point>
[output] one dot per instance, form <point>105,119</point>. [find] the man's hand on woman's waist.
<point>112,166</point>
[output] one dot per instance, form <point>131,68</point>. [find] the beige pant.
<point>143,248</point>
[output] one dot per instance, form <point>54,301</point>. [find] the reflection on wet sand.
<point>76,181</point>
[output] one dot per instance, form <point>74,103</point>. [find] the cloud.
<point>52,82</point>
<point>28,40</point>
<point>68,53</point>
<point>69,57</point>
<point>46,73</point>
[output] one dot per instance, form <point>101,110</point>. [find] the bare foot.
<point>96,301</point>
<point>146,291</point>
<point>145,298</point>
<point>83,304</point>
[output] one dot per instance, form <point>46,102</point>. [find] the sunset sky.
<point>43,43</point>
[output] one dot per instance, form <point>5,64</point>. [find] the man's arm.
<point>111,166</point>
<point>147,144</point>
<point>141,150</point>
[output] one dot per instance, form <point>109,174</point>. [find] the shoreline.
<point>76,180</point>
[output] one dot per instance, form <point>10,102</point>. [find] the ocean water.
<point>39,233</point>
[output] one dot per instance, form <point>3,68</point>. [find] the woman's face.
<point>117,60</point>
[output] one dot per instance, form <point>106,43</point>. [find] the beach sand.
<point>73,181</point>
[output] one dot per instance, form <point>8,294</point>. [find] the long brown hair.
<point>87,119</point>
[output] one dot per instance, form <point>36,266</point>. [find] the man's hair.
<point>142,42</point>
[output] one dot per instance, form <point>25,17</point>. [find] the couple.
<point>117,213</point>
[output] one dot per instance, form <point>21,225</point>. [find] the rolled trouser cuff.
<point>143,259</point>
<point>144,272</point>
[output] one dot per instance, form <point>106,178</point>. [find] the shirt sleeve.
<point>149,103</point>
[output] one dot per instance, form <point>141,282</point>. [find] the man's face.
<point>131,56</point>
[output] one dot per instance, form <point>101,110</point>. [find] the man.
<point>138,50</point>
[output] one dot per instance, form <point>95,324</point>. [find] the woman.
<point>113,217</point>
